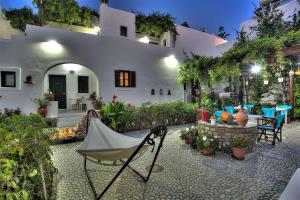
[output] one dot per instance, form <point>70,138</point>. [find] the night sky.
<point>209,14</point>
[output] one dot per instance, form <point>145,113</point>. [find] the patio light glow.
<point>171,61</point>
<point>255,69</point>
<point>72,67</point>
<point>144,40</point>
<point>52,47</point>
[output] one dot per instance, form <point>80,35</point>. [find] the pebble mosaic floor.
<point>186,173</point>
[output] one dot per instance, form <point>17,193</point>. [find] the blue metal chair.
<point>230,109</point>
<point>269,128</point>
<point>218,114</point>
<point>269,112</point>
<point>249,107</point>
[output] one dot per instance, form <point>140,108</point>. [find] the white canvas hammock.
<point>104,144</point>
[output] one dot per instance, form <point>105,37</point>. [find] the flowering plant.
<point>206,140</point>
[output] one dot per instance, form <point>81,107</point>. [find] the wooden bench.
<point>292,190</point>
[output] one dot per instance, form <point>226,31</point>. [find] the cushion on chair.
<point>266,127</point>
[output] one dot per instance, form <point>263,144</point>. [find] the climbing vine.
<point>264,51</point>
<point>155,24</point>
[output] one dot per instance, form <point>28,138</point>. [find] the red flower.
<point>114,98</point>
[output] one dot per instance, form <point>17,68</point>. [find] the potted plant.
<point>212,119</point>
<point>42,105</point>
<point>206,144</point>
<point>93,96</point>
<point>50,95</point>
<point>239,143</point>
<point>97,104</point>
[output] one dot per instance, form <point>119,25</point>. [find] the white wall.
<point>72,80</point>
<point>112,19</point>
<point>197,42</point>
<point>289,9</point>
<point>102,55</point>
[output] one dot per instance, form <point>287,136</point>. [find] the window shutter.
<point>117,78</point>
<point>132,79</point>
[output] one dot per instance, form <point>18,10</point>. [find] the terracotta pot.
<point>205,115</point>
<point>43,111</point>
<point>51,97</point>
<point>226,117</point>
<point>241,118</point>
<point>207,151</point>
<point>239,153</point>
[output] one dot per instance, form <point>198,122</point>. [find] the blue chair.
<point>230,109</point>
<point>269,112</point>
<point>218,114</point>
<point>249,107</point>
<point>269,128</point>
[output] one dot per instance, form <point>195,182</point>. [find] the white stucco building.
<point>110,59</point>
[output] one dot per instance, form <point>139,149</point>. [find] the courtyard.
<point>186,173</point>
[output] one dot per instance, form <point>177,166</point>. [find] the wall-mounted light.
<point>52,47</point>
<point>171,61</point>
<point>72,68</point>
<point>255,69</point>
<point>144,40</point>
<point>280,79</point>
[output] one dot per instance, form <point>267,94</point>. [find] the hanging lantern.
<point>280,79</point>
<point>266,82</point>
<point>297,72</point>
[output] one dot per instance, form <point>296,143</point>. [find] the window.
<point>125,79</point>
<point>8,79</point>
<point>165,42</point>
<point>83,84</point>
<point>123,31</point>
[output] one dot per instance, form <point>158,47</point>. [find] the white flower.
<point>204,138</point>
<point>187,129</point>
<point>192,127</point>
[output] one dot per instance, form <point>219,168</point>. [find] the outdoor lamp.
<point>144,39</point>
<point>291,73</point>
<point>171,61</point>
<point>255,69</point>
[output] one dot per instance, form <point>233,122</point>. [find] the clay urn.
<point>241,118</point>
<point>226,117</point>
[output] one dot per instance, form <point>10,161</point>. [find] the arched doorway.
<point>71,83</point>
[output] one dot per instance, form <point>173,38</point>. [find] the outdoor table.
<point>254,118</point>
<point>285,113</point>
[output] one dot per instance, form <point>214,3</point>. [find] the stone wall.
<point>223,132</point>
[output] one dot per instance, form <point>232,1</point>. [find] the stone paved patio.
<point>187,174</point>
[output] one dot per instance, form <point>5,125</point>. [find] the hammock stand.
<point>159,131</point>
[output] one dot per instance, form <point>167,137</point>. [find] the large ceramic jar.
<point>226,117</point>
<point>241,118</point>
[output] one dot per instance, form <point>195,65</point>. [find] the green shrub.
<point>122,118</point>
<point>24,151</point>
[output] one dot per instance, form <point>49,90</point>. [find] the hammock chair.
<point>104,144</point>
